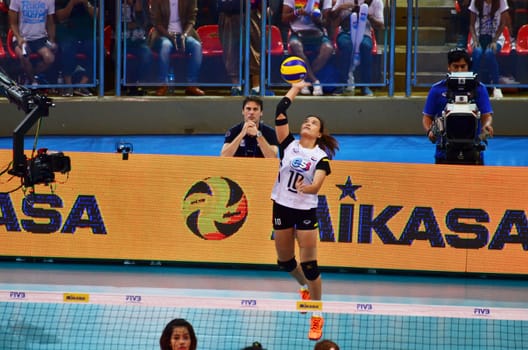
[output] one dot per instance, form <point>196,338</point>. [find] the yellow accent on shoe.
<point>316,328</point>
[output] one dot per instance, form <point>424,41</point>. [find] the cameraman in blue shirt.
<point>458,60</point>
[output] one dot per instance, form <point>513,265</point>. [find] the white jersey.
<point>297,161</point>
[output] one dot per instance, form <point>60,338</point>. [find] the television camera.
<point>458,127</point>
<point>41,168</point>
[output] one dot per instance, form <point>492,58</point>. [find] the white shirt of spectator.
<point>485,25</point>
<point>298,24</point>
<point>32,17</point>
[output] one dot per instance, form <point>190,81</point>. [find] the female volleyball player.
<point>304,166</point>
<point>177,335</point>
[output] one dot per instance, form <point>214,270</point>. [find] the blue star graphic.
<point>348,189</point>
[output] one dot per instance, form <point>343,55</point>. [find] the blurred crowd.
<point>191,45</point>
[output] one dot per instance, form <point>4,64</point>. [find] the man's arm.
<point>269,151</point>
<point>376,18</point>
<point>13,24</point>
<point>229,148</point>
<point>50,28</point>
<point>427,122</point>
<point>486,121</point>
<point>65,12</point>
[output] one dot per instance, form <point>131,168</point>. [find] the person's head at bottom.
<point>255,346</point>
<point>178,335</point>
<point>326,345</point>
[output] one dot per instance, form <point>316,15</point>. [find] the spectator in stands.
<point>309,35</point>
<point>341,14</point>
<point>231,24</point>
<point>458,60</point>
<point>519,15</point>
<point>178,335</point>
<point>326,345</point>
<point>508,67</point>
<point>251,137</point>
<point>462,22</point>
<point>275,17</point>
<point>173,30</point>
<point>487,21</point>
<point>33,28</point>
<point>4,21</point>
<point>208,13</point>
<point>75,34</point>
<point>135,15</point>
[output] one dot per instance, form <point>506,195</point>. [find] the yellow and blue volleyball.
<point>293,69</point>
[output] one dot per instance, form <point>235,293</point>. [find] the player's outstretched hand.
<point>296,88</point>
<point>301,84</point>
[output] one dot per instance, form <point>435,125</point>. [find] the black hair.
<point>457,54</point>
<point>326,142</point>
<point>167,333</point>
<point>255,99</point>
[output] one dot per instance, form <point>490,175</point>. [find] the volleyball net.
<point>65,320</point>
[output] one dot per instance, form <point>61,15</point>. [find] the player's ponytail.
<point>326,142</point>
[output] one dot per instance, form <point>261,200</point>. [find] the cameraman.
<point>458,60</point>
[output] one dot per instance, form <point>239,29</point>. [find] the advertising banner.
<point>218,210</point>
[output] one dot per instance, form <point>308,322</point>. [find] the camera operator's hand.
<point>488,130</point>
<point>431,136</point>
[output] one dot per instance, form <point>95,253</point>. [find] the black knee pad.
<point>289,265</point>
<point>310,270</point>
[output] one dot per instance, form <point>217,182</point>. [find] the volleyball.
<point>215,208</point>
<point>293,69</point>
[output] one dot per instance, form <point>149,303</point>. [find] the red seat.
<point>522,40</point>
<point>3,7</point>
<point>211,45</point>
<point>505,49</point>
<point>276,46</point>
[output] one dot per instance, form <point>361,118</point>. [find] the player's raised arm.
<point>281,118</point>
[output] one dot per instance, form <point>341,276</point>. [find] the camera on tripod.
<point>458,127</point>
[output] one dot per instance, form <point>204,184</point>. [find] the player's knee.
<point>310,270</point>
<point>289,265</point>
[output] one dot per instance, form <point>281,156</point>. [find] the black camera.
<point>42,168</point>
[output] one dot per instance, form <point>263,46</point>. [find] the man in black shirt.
<point>251,137</point>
